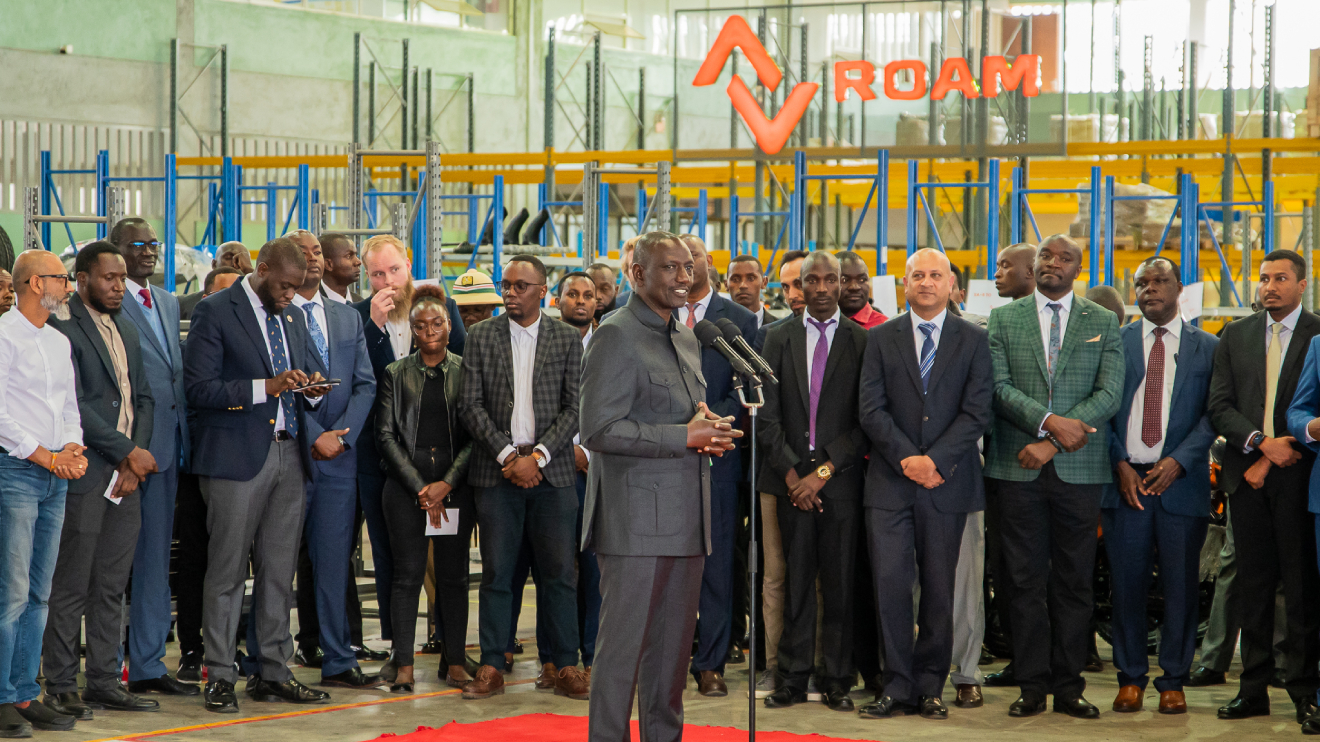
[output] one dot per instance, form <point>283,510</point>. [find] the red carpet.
<point>557,728</point>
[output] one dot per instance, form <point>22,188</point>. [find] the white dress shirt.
<point>522,422</point>
<point>38,397</point>
<point>1285,337</point>
<point>920,337</point>
<point>318,311</point>
<point>813,335</point>
<point>259,385</point>
<point>332,295</point>
<point>577,437</point>
<point>1138,452</point>
<point>702,305</point>
<point>760,317</point>
<point>1046,316</point>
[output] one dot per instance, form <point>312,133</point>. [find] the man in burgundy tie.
<point>1159,505</point>
<point>814,448</point>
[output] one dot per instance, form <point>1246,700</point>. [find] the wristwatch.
<point>824,473</point>
<point>540,460</point>
<point>1256,440</point>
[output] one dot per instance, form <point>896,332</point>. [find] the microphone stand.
<point>752,548</point>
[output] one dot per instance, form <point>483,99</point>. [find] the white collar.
<point>938,321</point>
<point>704,302</point>
<point>134,288</point>
<point>586,338</point>
<point>1174,327</point>
<point>15,317</point>
<point>333,295</point>
<point>1289,322</point>
<point>298,300</point>
<point>806,318</point>
<point>252,294</point>
<point>531,330</point>
<point>1042,301</point>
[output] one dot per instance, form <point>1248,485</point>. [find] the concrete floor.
<point>356,716</point>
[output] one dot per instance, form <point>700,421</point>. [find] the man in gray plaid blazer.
<point>1058,366</point>
<point>520,403</point>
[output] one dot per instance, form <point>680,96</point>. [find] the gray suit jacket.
<point>99,398</point>
<point>164,369</point>
<point>648,494</point>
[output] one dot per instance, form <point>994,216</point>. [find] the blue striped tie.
<point>927,353</point>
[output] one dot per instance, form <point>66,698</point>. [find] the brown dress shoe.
<point>969,696</point>
<point>711,684</point>
<point>573,683</point>
<point>548,678</point>
<point>1129,699</point>
<point>489,682</point>
<point>1173,702</point>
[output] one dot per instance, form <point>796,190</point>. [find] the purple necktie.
<point>818,358</point>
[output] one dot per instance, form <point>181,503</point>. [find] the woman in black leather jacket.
<point>425,449</point>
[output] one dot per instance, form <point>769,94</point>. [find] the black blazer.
<point>943,423</point>
<point>1237,390</point>
<point>382,354</point>
<point>225,352</point>
<point>99,398</point>
<point>721,397</point>
<point>400,410</point>
<point>784,428</point>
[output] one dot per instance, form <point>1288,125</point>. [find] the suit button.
<point>510,405</point>
<point>114,403</point>
<point>272,422</point>
<point>925,418</point>
<point>807,434</point>
<point>172,407</point>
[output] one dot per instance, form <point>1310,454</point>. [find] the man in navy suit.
<point>338,351</point>
<point>715,617</point>
<point>389,338</point>
<point>925,396</point>
<point>247,352</point>
<point>154,312</point>
<point>1160,502</point>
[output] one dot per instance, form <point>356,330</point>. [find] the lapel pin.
<point>287,318</point>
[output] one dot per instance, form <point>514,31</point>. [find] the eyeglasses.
<point>435,325</point>
<point>520,287</point>
<point>154,244</point>
<point>60,276</point>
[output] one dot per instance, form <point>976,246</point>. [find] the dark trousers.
<point>818,545</point>
<point>309,623</point>
<point>714,614</point>
<point>524,568</point>
<point>1048,536</point>
<point>1275,540</point>
<point>96,547</point>
<point>648,615</point>
<point>868,649</point>
<point>409,542</point>
<point>190,530</point>
<point>1000,601</point>
<point>588,587</point>
<point>1133,539</point>
<point>741,534</point>
<point>150,603</point>
<point>328,536</point>
<point>916,546</point>
<point>371,486</point>
<point>546,515</point>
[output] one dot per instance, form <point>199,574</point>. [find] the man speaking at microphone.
<point>647,512</point>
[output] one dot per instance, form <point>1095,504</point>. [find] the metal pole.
<point>861,105</point>
<point>1147,89</point>
<point>224,100</point>
<point>429,127</point>
<point>357,88</point>
<point>733,112</point>
<point>1227,124</point>
<point>598,120</point>
<point>548,124</point>
<point>403,101</point>
<point>1193,116</point>
<point>170,219</point>
<point>1267,98</point>
<point>471,112</point>
<point>174,97</point>
<point>663,213</point>
<point>641,108</point>
<point>371,104</point>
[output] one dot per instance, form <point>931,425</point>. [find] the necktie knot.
<point>820,325</point>
<point>1276,329</point>
<point>1055,306</point>
<point>146,297</point>
<point>692,314</point>
<point>927,327</point>
<point>1160,332</point>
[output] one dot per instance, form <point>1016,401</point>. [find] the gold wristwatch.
<point>824,473</point>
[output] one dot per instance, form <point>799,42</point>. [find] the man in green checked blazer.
<point>1058,366</point>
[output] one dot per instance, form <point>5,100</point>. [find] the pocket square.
<point>1095,339</point>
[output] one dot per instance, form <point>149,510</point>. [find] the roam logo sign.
<point>772,133</point>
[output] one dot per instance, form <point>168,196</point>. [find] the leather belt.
<point>524,450</point>
<point>281,435</point>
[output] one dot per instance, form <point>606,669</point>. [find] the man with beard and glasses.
<point>746,282</point>
<point>246,373</point>
<point>1058,365</point>
<point>648,495</point>
<point>99,536</point>
<point>389,338</point>
<point>6,291</point>
<point>41,438</point>
<point>715,613</point>
<point>606,288</point>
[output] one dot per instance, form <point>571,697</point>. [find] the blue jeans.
<point>31,516</point>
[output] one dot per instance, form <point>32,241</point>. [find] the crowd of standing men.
<point>603,453</point>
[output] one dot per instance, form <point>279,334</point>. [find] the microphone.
<point>710,337</point>
<point>734,337</point>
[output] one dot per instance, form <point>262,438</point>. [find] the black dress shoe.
<point>1203,676</point>
<point>364,654</point>
<point>785,697</point>
<point>736,656</point>
<point>352,678</point>
<point>1094,663</point>
<point>40,716</point>
<point>1245,708</point>
<point>1311,725</point>
<point>220,697</point>
<point>836,698</point>
<point>308,656</point>
<point>885,707</point>
<point>290,691</point>
<point>1077,708</point>
<point>432,646</point>
<point>401,688</point>
<point>1005,678</point>
<point>119,699</point>
<point>190,667</point>
<point>517,646</point>
<point>165,685</point>
<point>1027,706</point>
<point>1279,679</point>
<point>68,704</point>
<point>12,723</point>
<point>933,708</point>
<point>1306,708</point>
